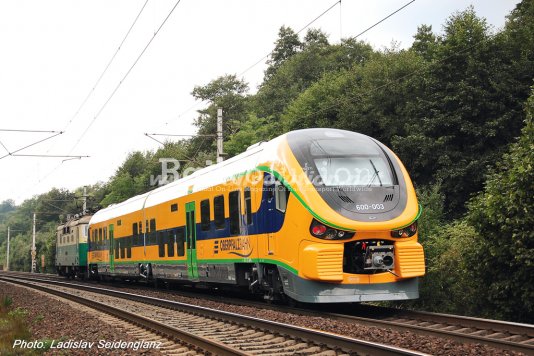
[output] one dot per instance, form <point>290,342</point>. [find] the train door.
<point>191,240</point>
<point>270,210</point>
<point>111,247</point>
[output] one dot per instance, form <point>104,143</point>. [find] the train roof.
<point>199,180</point>
<point>76,221</point>
<point>263,153</point>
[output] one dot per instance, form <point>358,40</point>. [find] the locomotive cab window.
<point>281,195</point>
<point>235,213</point>
<point>351,163</point>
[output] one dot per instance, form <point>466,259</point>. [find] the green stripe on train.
<point>221,261</point>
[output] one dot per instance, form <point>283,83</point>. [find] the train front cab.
<point>357,241</point>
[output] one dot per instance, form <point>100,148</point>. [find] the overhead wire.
<point>403,77</point>
<point>107,66</point>
<point>120,82</point>
<point>124,77</point>
<point>32,144</point>
<point>265,56</point>
<point>384,19</point>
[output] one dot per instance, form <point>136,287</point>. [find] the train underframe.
<point>269,281</point>
<point>72,271</point>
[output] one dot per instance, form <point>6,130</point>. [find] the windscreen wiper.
<point>376,175</point>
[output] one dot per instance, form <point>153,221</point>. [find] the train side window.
<point>218,211</point>
<point>119,222</point>
<point>205,215</point>
<point>235,214</point>
<point>180,241</point>
<point>174,207</point>
<point>105,235</point>
<point>170,243</point>
<point>122,248</point>
<point>140,236</point>
<point>117,246</point>
<point>161,243</point>
<point>152,233</point>
<point>248,206</point>
<point>134,229</point>
<point>282,193</point>
<point>129,241</point>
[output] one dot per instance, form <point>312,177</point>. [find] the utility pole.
<point>34,252</point>
<point>84,211</point>
<point>219,135</point>
<point>7,257</point>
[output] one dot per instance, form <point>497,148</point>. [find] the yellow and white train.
<point>316,215</point>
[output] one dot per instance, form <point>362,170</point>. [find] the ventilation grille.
<point>388,197</point>
<point>330,264</point>
<point>346,199</point>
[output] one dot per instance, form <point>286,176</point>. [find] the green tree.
<point>425,42</point>
<point>228,93</point>
<point>286,45</point>
<point>461,121</point>
<point>373,99</point>
<point>503,215</point>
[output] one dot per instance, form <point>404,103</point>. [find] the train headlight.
<point>322,231</point>
<point>318,230</point>
<point>408,231</point>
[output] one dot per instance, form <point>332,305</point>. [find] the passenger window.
<point>248,207</point>
<point>117,246</point>
<point>205,215</point>
<point>161,243</point>
<point>282,193</point>
<point>134,229</point>
<point>129,241</point>
<point>235,213</point>
<point>152,225</point>
<point>100,235</point>
<point>170,243</point>
<point>174,207</point>
<point>180,241</point>
<point>218,212</point>
<point>141,236</point>
<point>122,248</point>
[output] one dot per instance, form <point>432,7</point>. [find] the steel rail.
<point>204,344</point>
<point>493,333</point>
<point>330,340</point>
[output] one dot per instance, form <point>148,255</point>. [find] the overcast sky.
<point>52,53</point>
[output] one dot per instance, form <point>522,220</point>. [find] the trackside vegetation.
<point>457,107</point>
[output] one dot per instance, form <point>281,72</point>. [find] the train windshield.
<point>350,162</point>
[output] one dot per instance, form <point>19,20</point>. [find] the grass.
<point>13,325</point>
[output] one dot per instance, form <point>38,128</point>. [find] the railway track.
<point>213,331</point>
<point>498,334</point>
